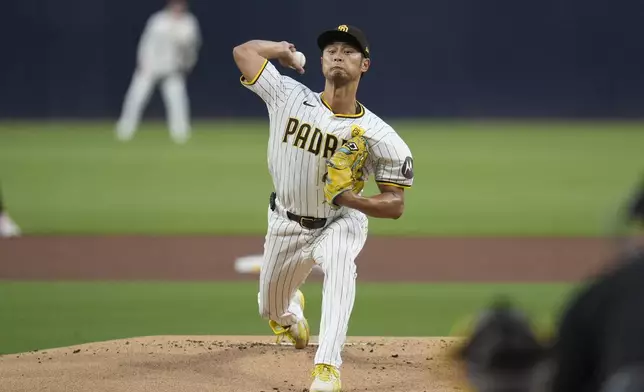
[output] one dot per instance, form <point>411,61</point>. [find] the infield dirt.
<point>218,363</point>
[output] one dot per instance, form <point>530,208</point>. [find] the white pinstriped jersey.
<point>304,132</point>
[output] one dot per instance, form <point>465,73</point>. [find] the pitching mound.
<point>227,363</point>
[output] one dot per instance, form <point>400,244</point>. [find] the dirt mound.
<point>227,363</point>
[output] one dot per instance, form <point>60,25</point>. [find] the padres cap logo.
<point>343,28</point>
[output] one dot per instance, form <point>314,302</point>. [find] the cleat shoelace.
<point>325,372</point>
<point>281,333</point>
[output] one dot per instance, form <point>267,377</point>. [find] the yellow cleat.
<point>326,378</point>
<point>298,334</point>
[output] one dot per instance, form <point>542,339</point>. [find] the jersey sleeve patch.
<point>408,168</point>
<point>393,162</point>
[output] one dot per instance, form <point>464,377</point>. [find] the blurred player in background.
<point>8,228</point>
<point>167,53</point>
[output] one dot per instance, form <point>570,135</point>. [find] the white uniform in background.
<point>167,51</point>
<point>8,228</point>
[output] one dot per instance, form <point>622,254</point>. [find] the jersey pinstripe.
<point>304,132</point>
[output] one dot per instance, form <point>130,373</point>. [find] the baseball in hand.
<point>300,58</point>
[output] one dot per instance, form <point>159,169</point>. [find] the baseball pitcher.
<point>323,147</point>
<point>167,52</point>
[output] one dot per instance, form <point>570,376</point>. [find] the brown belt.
<point>308,222</point>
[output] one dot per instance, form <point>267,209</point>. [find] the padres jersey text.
<point>304,132</point>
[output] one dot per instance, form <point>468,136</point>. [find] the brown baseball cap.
<point>345,33</point>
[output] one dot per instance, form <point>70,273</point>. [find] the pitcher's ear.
<point>366,63</point>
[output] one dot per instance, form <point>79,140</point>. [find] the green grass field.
<point>36,315</point>
<point>472,178</point>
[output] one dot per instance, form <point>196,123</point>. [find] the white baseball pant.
<point>290,253</point>
<point>175,98</point>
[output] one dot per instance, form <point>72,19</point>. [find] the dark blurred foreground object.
<point>630,221</point>
<point>503,353</point>
<point>598,345</point>
<point>600,340</point>
<point>8,228</point>
<point>636,205</point>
